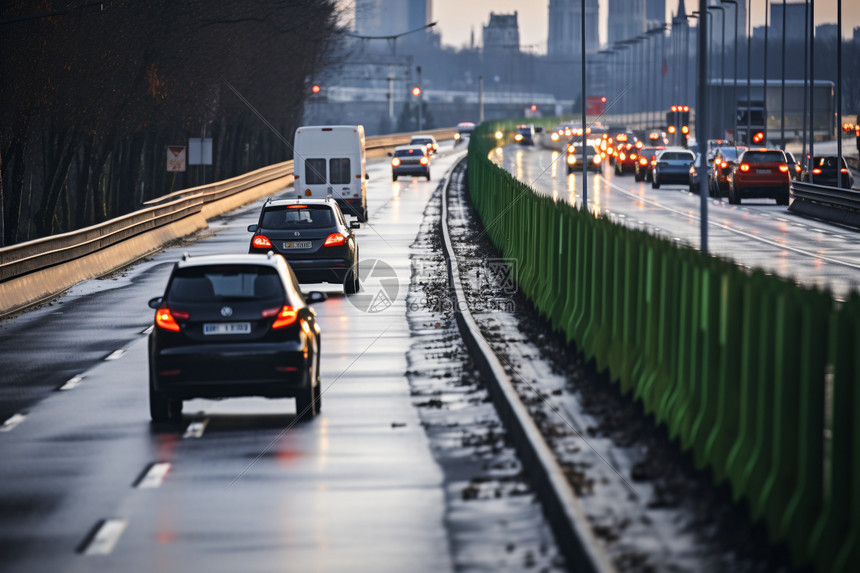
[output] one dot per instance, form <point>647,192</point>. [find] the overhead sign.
<point>200,151</point>
<point>176,158</point>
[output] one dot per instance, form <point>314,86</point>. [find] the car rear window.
<point>677,156</point>
<point>420,141</point>
<point>764,157</point>
<point>225,282</point>
<point>297,217</point>
<point>731,153</point>
<point>407,152</point>
<point>827,162</point>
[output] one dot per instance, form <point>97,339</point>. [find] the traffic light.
<point>534,107</point>
<point>416,91</point>
<point>758,137</point>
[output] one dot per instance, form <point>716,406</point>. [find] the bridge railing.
<point>98,249</point>
<point>757,377</point>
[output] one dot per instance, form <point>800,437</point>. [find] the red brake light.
<point>622,156</point>
<point>395,162</point>
<point>797,167</point>
<point>286,317</point>
<point>164,319</point>
<point>424,161</point>
<point>743,167</point>
<point>643,161</point>
<point>296,206</point>
<point>724,165</point>
<point>632,156</point>
<point>334,240</point>
<point>816,171</point>
<point>262,242</point>
<point>783,167</point>
<point>843,170</point>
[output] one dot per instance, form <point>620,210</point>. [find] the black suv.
<point>825,170</point>
<point>313,236</point>
<point>233,325</point>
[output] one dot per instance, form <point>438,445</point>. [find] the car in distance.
<point>410,160</point>
<point>825,170</point>
<point>672,166</point>
<point>525,135</point>
<point>725,158</point>
<point>229,326</point>
<point>625,157</point>
<point>428,140</point>
<point>575,158</point>
<point>645,163</point>
<point>760,173</point>
<point>464,130</point>
<point>794,168</point>
<point>696,172</point>
<point>313,237</point>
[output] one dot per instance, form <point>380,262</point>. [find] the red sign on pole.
<point>595,105</point>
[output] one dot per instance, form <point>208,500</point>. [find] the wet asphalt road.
<point>758,233</point>
<point>90,485</point>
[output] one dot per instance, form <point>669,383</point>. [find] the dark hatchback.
<point>825,171</point>
<point>233,325</point>
<point>312,235</point>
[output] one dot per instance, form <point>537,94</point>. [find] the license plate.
<point>227,328</point>
<point>298,245</point>
<point>762,171</point>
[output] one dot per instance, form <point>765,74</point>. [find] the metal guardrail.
<point>23,258</point>
<point>830,203</point>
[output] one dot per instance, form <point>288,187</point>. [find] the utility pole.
<point>811,85</point>
<point>480,99</point>
<point>420,98</point>
<point>584,136</point>
<point>838,93</point>
<point>701,120</point>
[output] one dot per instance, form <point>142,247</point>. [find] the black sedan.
<point>825,171</point>
<point>312,235</point>
<point>233,325</point>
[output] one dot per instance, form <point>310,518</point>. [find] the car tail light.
<point>622,156</point>
<point>424,161</point>
<point>334,240</point>
<point>597,159</point>
<point>797,167</point>
<point>571,159</point>
<point>632,156</point>
<point>816,171</point>
<point>685,130</point>
<point>724,164</point>
<point>643,161</point>
<point>518,137</point>
<point>395,162</point>
<point>296,206</point>
<point>456,136</point>
<point>639,145</point>
<point>164,319</point>
<point>783,167</point>
<point>744,167</point>
<point>843,170</point>
<point>286,316</point>
<point>554,137</point>
<point>654,161</point>
<point>262,242</point>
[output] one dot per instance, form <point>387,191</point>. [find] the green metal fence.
<point>757,377</point>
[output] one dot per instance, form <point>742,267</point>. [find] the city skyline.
<point>456,19</point>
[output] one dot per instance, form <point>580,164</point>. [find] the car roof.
<point>295,200</point>
<point>268,260</point>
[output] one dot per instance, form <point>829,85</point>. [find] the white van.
<point>331,160</point>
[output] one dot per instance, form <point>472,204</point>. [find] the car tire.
<point>693,189</point>
<point>783,200</point>
<point>655,183</point>
<point>162,408</point>
<point>306,406</point>
<point>733,198</point>
<point>352,282</point>
<point>428,176</point>
<point>637,177</point>
<point>393,177</point>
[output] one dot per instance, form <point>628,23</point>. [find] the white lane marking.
<point>147,330</point>
<point>106,537</point>
<point>196,429</point>
<point>72,382</point>
<point>12,422</point>
<point>116,354</point>
<point>155,476</point>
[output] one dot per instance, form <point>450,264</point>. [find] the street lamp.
<point>701,122</point>
<point>735,72</point>
<point>722,68</point>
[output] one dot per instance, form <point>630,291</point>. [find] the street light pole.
<point>722,68</point>
<point>749,72</point>
<point>811,85</point>
<point>701,121</point>
<point>584,138</point>
<point>839,93</point>
<point>764,85</point>
<point>734,102</point>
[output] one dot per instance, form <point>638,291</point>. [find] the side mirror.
<point>354,225</point>
<point>367,176</point>
<point>538,129</point>
<point>155,303</point>
<point>315,296</point>
<point>252,228</point>
<point>390,154</point>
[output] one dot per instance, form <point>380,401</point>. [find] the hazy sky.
<point>457,18</point>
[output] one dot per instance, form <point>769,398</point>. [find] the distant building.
<point>565,27</point>
<point>390,17</point>
<point>502,34</point>
<point>627,19</point>
<point>655,12</point>
<point>795,12</point>
<point>826,33</point>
